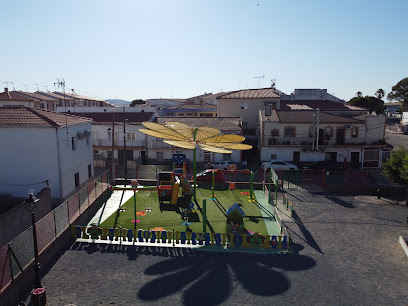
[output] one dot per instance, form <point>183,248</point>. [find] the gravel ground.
<point>346,253</point>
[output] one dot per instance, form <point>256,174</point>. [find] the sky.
<point>145,49</point>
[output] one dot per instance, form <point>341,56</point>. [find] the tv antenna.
<point>7,84</point>
<point>25,86</point>
<point>273,83</point>
<point>47,88</point>
<point>61,83</point>
<point>13,85</point>
<point>37,87</point>
<point>259,79</point>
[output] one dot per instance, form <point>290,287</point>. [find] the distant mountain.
<point>119,102</point>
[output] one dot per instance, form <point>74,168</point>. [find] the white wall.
<point>232,108</point>
<point>28,157</point>
<point>73,161</point>
<point>375,128</point>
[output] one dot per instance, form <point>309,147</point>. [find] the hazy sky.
<point>133,49</point>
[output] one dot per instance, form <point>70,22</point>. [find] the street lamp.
<point>31,204</point>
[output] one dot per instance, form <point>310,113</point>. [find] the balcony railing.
<point>118,143</point>
<point>306,142</point>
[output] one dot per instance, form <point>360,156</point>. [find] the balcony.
<point>118,143</point>
<point>306,142</point>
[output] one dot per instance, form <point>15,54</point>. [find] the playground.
<point>151,214</point>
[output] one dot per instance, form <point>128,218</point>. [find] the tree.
<point>380,94</point>
<point>137,102</point>
<point>396,168</point>
<point>373,104</point>
<point>359,94</point>
<point>400,92</point>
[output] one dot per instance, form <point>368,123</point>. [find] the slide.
<point>174,195</point>
<point>186,186</point>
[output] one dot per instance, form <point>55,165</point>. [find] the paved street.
<point>346,253</point>
<point>395,138</point>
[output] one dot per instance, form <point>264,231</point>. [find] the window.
<point>89,170</point>
<point>226,156</point>
<point>96,152</point>
<point>131,136</point>
<point>159,156</point>
<point>181,114</point>
<point>74,143</point>
<point>244,125</point>
<point>109,135</point>
<point>354,132</point>
<point>189,114</point>
<point>88,139</point>
<point>244,105</point>
<point>290,131</point>
<point>76,179</point>
<point>275,132</point>
<point>328,133</point>
<point>42,105</point>
<point>273,156</point>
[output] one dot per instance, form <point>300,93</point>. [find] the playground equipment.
<point>207,138</point>
<point>235,219</point>
<point>170,185</point>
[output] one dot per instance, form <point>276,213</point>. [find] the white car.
<point>222,165</point>
<point>279,165</point>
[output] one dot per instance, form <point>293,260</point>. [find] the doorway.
<point>296,157</point>
<point>355,160</point>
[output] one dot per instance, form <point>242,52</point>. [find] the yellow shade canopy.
<point>181,144</point>
<point>214,149</point>
<point>225,138</point>
<point>183,136</point>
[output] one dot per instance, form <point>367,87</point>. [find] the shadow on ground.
<point>208,278</point>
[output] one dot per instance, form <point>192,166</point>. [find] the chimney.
<point>5,89</point>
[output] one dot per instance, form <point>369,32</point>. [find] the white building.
<point>113,125</point>
<point>288,135</point>
<point>43,148</point>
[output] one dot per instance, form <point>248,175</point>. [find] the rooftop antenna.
<point>273,83</point>
<point>25,86</point>
<point>13,85</point>
<point>61,83</point>
<point>47,88</point>
<point>37,87</point>
<point>7,84</point>
<point>259,79</point>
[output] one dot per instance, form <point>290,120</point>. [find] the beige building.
<point>247,104</point>
<point>289,135</point>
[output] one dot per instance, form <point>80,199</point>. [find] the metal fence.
<point>16,256</point>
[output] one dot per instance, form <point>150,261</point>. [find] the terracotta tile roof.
<point>192,107</point>
<point>315,104</point>
<point>36,96</point>
<point>221,123</point>
<point>299,107</point>
<point>30,117</point>
<point>133,118</point>
<point>12,95</point>
<point>262,93</point>
<point>74,96</point>
<point>305,116</point>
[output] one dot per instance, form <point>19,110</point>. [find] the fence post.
<point>205,215</point>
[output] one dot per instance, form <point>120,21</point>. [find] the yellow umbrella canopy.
<point>207,138</point>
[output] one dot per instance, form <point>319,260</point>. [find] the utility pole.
<point>124,143</point>
<point>113,144</point>
<point>317,128</point>
<point>314,131</point>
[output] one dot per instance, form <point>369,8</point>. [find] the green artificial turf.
<point>168,216</point>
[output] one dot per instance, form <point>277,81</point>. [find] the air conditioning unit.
<point>349,126</point>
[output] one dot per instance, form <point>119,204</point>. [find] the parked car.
<point>222,165</point>
<point>279,165</point>
<point>327,165</point>
<point>206,176</point>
